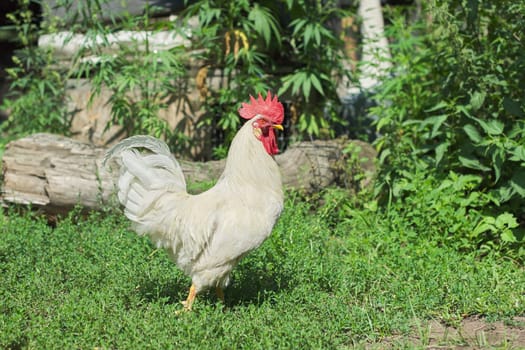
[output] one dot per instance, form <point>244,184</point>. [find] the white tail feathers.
<point>144,177</point>
<point>139,141</point>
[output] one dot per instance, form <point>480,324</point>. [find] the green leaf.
<point>518,182</point>
<point>314,127</point>
<point>307,84</point>
<point>297,25</point>
<point>508,236</point>
<point>498,157</point>
<point>298,79</point>
<point>504,193</point>
<point>440,151</point>
<point>518,153</point>
<point>440,105</point>
<point>382,122</point>
<point>384,155</point>
<point>472,133</point>
<point>317,84</point>
<point>308,32</point>
<point>477,99</point>
<point>287,82</point>
<point>473,163</point>
<point>483,226</point>
<point>506,220</point>
<point>436,123</point>
<point>317,35</point>
<point>308,123</point>
<point>463,109</point>
<point>264,23</point>
<point>492,127</point>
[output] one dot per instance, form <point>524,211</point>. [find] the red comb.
<point>270,108</point>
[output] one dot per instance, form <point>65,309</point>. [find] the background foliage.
<point>37,98</point>
<point>453,115</point>
<point>284,46</point>
<point>142,80</point>
<point>449,120</point>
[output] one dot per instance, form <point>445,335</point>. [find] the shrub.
<point>285,46</point>
<point>36,100</point>
<point>454,105</point>
<point>142,81</point>
<point>261,45</point>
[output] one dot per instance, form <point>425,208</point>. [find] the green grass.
<point>314,284</point>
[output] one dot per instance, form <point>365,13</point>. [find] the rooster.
<point>207,234</point>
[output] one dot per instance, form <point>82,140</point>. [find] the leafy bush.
<point>450,212</point>
<point>285,46</point>
<point>232,37</point>
<point>36,101</point>
<point>317,55</point>
<point>142,81</point>
<point>455,104</point>
<point>261,45</point>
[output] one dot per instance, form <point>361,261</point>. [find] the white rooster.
<point>206,234</point>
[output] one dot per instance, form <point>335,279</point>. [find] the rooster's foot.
<point>188,303</point>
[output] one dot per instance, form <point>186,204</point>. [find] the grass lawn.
<point>92,283</point>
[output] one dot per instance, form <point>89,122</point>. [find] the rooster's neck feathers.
<point>249,163</point>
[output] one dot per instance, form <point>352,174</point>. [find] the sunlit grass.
<point>93,283</point>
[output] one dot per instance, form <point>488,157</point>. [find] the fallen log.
<point>55,173</point>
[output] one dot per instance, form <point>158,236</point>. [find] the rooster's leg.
<point>220,294</point>
<point>191,298</point>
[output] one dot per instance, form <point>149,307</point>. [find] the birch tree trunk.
<point>375,60</point>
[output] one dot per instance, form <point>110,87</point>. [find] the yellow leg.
<point>220,294</point>
<point>191,298</point>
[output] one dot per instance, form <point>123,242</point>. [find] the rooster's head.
<point>268,114</point>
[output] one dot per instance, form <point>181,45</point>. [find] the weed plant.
<point>284,46</point>
<point>36,100</point>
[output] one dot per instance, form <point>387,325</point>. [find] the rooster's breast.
<point>240,225</point>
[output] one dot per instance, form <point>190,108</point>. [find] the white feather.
<point>205,234</point>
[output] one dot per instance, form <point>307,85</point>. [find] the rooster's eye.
<point>260,124</point>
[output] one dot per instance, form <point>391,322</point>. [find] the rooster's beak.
<point>278,126</point>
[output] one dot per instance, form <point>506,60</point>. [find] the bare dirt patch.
<point>472,333</point>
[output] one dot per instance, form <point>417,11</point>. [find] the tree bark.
<point>376,58</point>
<point>55,173</point>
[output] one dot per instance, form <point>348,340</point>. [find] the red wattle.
<point>269,142</point>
